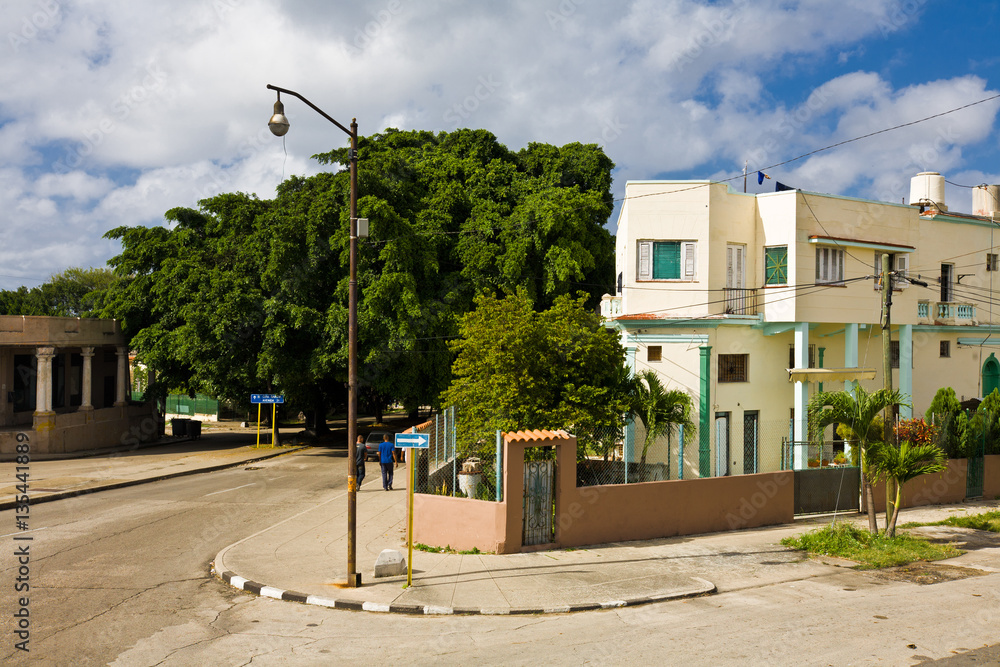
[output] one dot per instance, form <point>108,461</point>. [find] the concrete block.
<point>390,563</point>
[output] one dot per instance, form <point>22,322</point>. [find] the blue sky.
<point>113,112</point>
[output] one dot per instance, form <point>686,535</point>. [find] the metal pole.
<point>353,577</point>
<point>411,462</point>
<point>499,493</point>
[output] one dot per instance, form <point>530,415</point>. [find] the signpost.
<point>411,441</point>
<point>273,399</point>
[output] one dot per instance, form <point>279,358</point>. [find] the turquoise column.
<point>705,414</point>
<point>906,368</point>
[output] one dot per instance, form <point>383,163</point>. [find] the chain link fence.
<point>445,469</point>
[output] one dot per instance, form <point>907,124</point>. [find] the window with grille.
<point>791,356</point>
<point>654,353</point>
<point>667,260</point>
<point>776,265</point>
<point>945,347</point>
<point>829,265</point>
<point>734,367</point>
<point>894,354</point>
<point>992,261</point>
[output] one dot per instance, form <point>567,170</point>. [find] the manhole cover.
<point>927,573</point>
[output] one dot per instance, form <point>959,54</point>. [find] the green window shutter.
<point>776,265</point>
<point>666,260</point>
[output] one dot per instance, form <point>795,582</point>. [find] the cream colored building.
<point>721,292</point>
<point>64,383</point>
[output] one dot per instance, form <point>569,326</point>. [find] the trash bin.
<point>194,429</point>
<point>179,426</point>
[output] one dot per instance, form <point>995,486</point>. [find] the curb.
<point>262,590</point>
<point>62,495</point>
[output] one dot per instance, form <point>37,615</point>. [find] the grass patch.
<point>445,550</point>
<point>986,521</point>
<point>845,540</point>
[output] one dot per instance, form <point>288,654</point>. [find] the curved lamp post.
<point>279,126</point>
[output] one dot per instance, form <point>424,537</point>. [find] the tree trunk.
<point>869,499</point>
<point>319,416</point>
<point>890,528</point>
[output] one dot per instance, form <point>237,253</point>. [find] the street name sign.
<point>266,398</point>
<point>413,440</point>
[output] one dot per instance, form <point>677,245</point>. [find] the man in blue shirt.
<point>387,457</point>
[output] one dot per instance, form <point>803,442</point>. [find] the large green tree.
<point>517,368</point>
<point>75,292</point>
<point>246,295</point>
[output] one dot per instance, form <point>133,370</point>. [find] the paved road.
<point>122,577</point>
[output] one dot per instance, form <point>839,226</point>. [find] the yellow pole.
<point>274,424</point>
<point>258,426</point>
<point>409,532</point>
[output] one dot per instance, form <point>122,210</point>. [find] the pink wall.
<point>461,523</point>
<point>991,477</point>
<point>940,488</point>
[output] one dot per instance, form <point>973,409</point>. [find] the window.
<point>992,262</point>
<point>791,356</point>
<point>900,264</point>
<point>829,265</point>
<point>945,348</point>
<point>893,354</point>
<point>776,265</point>
<point>654,353</point>
<point>734,367</point>
<point>667,260</point>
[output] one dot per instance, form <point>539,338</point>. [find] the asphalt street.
<point>122,577</point>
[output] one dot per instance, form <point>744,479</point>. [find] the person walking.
<point>360,457</point>
<point>388,459</point>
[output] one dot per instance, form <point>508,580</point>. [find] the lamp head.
<point>278,122</point>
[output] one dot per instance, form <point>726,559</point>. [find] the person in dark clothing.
<point>360,457</point>
<point>388,459</point>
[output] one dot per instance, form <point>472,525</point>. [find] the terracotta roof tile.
<point>536,435</point>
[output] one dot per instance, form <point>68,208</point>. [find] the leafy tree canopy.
<point>76,292</point>
<point>246,295</point>
<point>520,369</point>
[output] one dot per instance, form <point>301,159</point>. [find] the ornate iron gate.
<point>539,502</point>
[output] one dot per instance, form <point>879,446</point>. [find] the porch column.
<point>121,377</point>
<point>44,418</point>
<point>800,429</point>
<point>705,413</point>
<point>906,368</point>
<point>850,352</point>
<point>87,400</point>
<point>628,446</point>
<point>850,361</point>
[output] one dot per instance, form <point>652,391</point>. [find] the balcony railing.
<point>611,306</point>
<point>947,312</point>
<point>741,301</point>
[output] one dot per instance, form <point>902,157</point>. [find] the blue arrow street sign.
<point>414,440</point>
<point>267,398</point>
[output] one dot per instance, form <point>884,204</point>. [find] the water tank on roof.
<point>986,200</point>
<point>927,188</point>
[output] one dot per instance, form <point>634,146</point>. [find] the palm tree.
<point>898,465</point>
<point>859,412</point>
<point>659,410</point>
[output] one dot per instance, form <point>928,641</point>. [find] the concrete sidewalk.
<point>52,478</point>
<point>304,559</point>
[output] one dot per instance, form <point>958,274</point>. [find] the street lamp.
<point>279,126</point>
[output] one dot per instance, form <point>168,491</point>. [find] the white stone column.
<point>87,388</point>
<point>906,369</point>
<point>800,428</point>
<point>43,381</point>
<point>121,378</point>
<point>850,361</point>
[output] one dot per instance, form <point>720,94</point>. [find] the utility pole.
<point>886,282</point>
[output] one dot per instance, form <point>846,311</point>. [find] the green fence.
<point>182,404</point>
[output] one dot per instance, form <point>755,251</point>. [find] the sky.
<point>112,113</point>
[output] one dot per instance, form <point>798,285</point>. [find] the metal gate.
<point>974,475</point>
<point>539,502</point>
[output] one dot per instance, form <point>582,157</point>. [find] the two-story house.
<point>722,292</point>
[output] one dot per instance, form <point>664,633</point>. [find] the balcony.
<point>611,306</point>
<point>740,301</point>
<point>946,312</point>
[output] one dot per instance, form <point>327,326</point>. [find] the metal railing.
<point>741,301</point>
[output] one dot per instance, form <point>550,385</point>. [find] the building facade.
<point>64,382</point>
<point>722,292</point>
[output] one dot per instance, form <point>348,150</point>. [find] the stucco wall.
<point>991,477</point>
<point>941,488</point>
<point>461,523</point>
